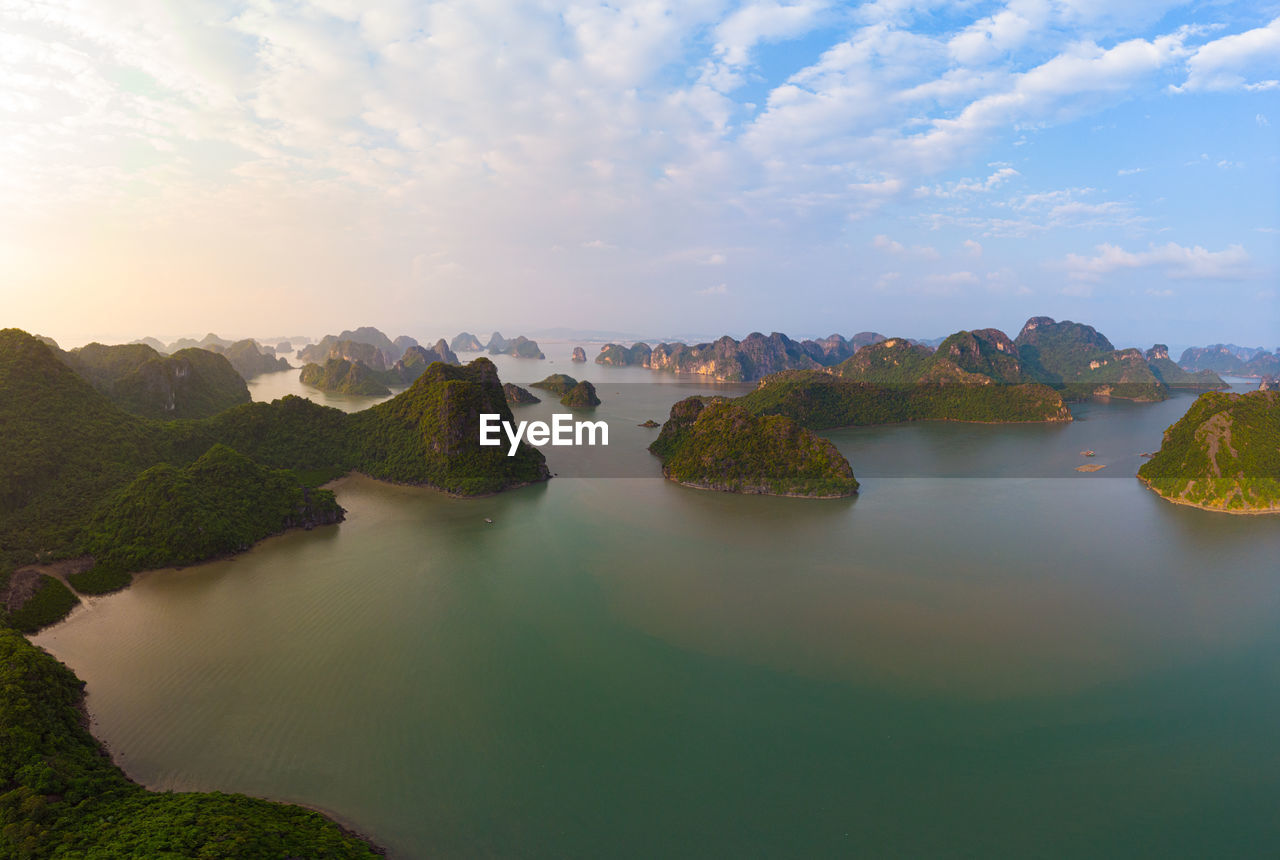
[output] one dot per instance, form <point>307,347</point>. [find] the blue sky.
<point>701,166</point>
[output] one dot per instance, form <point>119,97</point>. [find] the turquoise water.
<point>985,653</point>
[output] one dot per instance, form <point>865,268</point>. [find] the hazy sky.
<point>263,168</point>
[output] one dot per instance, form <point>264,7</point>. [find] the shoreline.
<point>1256,512</point>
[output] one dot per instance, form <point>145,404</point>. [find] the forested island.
<point>1071,357</point>
<point>718,444</point>
<point>80,476</point>
<point>1222,455</point>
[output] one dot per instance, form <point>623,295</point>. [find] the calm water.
<point>985,653</point>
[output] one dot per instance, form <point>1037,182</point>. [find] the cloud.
<point>1177,261</point>
<point>717,290</point>
<point>765,21</point>
<point>1129,171</point>
<point>892,246</point>
<point>1248,60</point>
<point>1261,120</point>
<point>974,248</point>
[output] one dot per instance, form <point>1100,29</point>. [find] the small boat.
<point>1087,454</point>
<point>489,521</point>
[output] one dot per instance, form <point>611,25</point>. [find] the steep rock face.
<point>210,341</point>
<point>466,342</point>
<point>497,343</point>
<point>832,349</point>
<point>284,346</point>
<point>365,344</point>
<point>866,338</point>
<point>340,376</point>
<point>430,434</point>
<point>191,383</point>
<point>579,354</point>
<point>617,355</point>
<point>1218,357</point>
<point>1223,454</point>
<point>154,343</point>
<point>582,394</point>
<point>403,343</point>
<point>729,360</point>
<point>1262,364</point>
<point>1080,360</point>
<point>988,352</point>
<point>717,444</point>
<point>1175,377</point>
<point>1269,383</point>
<point>517,396</point>
<point>893,361</point>
<point>520,347</point>
<point>249,360</point>
<point>415,360</point>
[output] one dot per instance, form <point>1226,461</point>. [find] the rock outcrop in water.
<point>69,449</point>
<point>582,394</point>
<point>340,376</point>
<point>517,396</point>
<point>717,444</point>
<point>520,347</point>
<point>1222,455</point>
<point>557,383</point>
<point>250,360</point>
<point>617,355</point>
<point>579,354</point>
<point>1176,377</point>
<point>466,342</point>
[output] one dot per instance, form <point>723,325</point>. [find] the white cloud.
<point>764,21</point>
<point>1177,261</point>
<point>974,248</point>
<point>717,290</point>
<point>1129,171</point>
<point>1261,120</point>
<point>1248,60</point>
<point>892,246</point>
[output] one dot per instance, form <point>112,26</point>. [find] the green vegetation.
<point>820,400</point>
<point>517,396</point>
<point>68,449</point>
<point>191,383</point>
<point>729,360</point>
<point>48,601</point>
<point>63,797</point>
<point>520,347</point>
<point>1223,454</point>
<point>1081,362</point>
<point>466,342</point>
<point>1175,377</point>
<point>222,503</point>
<point>718,444</point>
<point>557,383</point>
<point>895,361</point>
<point>430,434</point>
<point>250,361</point>
<point>340,376</point>
<point>583,394</point>
<point>617,355</point>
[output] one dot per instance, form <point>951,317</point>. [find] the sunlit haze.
<point>651,168</point>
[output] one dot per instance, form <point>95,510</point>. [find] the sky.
<point>276,168</point>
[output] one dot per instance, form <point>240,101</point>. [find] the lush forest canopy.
<point>61,796</point>
<point>1223,454</point>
